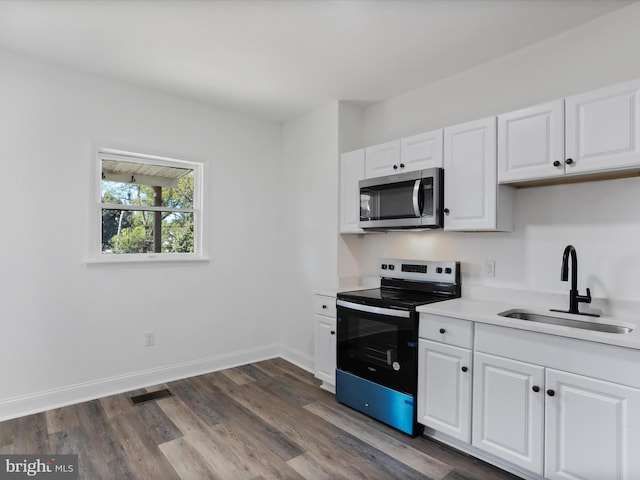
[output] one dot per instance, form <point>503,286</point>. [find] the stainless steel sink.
<point>565,322</point>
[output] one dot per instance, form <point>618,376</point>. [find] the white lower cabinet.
<point>444,375</point>
<point>538,405</point>
<point>325,341</point>
<point>560,425</point>
<point>444,388</point>
<point>508,407</point>
<point>592,428</point>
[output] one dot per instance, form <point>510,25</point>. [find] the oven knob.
<point>447,270</point>
<point>383,266</point>
<point>439,270</point>
<point>396,366</point>
<point>392,267</point>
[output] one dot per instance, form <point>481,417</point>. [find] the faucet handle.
<point>584,298</point>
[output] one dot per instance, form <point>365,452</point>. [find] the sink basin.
<point>565,322</point>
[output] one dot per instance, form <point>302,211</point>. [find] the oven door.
<point>378,344</point>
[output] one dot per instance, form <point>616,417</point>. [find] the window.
<point>149,207</point>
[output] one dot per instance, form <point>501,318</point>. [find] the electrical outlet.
<point>149,339</point>
<point>490,268</point>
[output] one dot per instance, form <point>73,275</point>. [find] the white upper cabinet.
<point>472,199</point>
<point>383,159</point>
<point>603,129</point>
<point>531,143</point>
<point>351,172</point>
<point>590,133</point>
<point>406,155</point>
<point>422,151</point>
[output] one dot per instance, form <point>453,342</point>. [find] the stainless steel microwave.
<point>405,200</point>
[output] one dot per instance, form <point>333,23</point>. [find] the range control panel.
<point>420,270</point>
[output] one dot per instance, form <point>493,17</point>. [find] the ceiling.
<point>279,58</point>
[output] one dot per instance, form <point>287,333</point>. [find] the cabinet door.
<point>351,172</point>
<point>383,159</point>
<point>508,409</point>
<point>592,428</point>
<point>422,151</point>
<point>531,143</point>
<point>325,354</point>
<point>603,129</point>
<point>444,388</point>
<point>470,191</point>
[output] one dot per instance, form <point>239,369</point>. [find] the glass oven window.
<point>376,342</point>
<point>379,348</point>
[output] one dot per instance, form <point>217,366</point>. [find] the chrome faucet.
<point>574,297</point>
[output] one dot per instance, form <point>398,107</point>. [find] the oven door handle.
<point>377,310</point>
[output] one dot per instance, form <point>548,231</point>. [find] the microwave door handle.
<point>417,204</point>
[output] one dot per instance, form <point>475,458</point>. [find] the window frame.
<point>98,256</point>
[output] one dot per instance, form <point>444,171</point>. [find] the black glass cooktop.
<point>391,297</point>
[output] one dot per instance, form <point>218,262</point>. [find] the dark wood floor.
<point>268,420</point>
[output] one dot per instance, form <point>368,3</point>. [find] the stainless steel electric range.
<point>377,355</point>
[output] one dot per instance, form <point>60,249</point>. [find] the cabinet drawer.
<point>451,331</point>
<point>325,305</point>
<point>592,359</point>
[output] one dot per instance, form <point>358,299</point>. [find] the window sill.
<point>146,258</point>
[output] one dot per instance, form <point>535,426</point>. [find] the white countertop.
<point>483,311</point>
<point>482,305</point>
<point>332,292</point>
<point>328,292</point>
<point>349,284</point>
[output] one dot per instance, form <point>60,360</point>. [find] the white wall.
<point>350,131</point>
<point>596,54</point>
<point>600,219</point>
<point>309,225</point>
<point>72,330</point>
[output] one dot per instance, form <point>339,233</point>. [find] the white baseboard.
<point>298,358</point>
<point>82,392</point>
